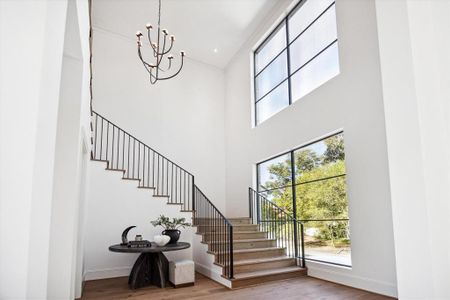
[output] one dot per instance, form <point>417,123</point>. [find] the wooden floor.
<point>297,288</point>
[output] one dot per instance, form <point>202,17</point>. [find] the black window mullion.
<point>288,61</point>
<point>310,24</point>
<point>269,63</point>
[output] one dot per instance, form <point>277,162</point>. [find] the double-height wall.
<point>351,102</point>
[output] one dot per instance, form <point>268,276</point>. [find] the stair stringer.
<point>205,262</point>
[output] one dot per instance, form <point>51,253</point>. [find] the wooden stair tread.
<point>236,251</point>
<point>270,272</point>
<point>117,170</point>
<point>243,232</point>
<point>242,241</point>
<point>236,225</point>
<point>257,249</point>
<point>261,260</point>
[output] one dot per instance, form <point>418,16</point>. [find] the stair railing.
<point>137,161</point>
<point>123,152</point>
<point>279,224</point>
<point>216,230</point>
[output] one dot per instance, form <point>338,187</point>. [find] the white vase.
<point>161,240</point>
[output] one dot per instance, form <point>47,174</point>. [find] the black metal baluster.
<point>134,153</point>
<point>139,162</point>
<point>107,141</point>
<point>118,147</point>
<point>167,177</point>
<point>128,164</point>
<point>95,143</point>
<point>123,151</point>
<point>112,148</point>
<point>157,176</point>
<point>143,169</point>
<point>153,171</point>
<point>101,142</point>
<point>171,188</point>
<point>148,167</point>
<point>162,175</point>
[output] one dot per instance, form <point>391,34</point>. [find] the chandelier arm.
<point>170,48</point>
<point>164,51</point>
<point>150,41</point>
<point>179,70</point>
<point>142,60</point>
<point>146,65</point>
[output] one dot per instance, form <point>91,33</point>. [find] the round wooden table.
<point>152,266</point>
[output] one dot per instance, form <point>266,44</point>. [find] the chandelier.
<point>160,68</point>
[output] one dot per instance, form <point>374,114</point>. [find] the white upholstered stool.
<point>182,273</point>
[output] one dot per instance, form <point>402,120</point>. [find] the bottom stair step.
<point>259,264</point>
<point>257,277</point>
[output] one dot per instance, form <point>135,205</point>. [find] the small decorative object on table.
<point>137,243</point>
<point>161,240</point>
<point>125,234</point>
<point>171,227</point>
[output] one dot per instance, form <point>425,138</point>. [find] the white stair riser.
<point>264,266</point>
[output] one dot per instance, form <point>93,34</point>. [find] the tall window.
<point>309,183</point>
<point>299,55</point>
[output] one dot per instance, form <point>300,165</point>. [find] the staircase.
<point>257,258</point>
<point>250,250</point>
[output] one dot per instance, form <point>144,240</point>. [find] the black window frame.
<point>290,73</point>
<point>293,186</point>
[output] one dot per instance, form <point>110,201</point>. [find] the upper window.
<point>299,55</point>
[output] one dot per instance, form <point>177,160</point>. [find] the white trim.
<point>106,273</point>
<point>337,274</point>
<point>204,270</point>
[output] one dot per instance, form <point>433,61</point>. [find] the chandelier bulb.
<point>170,56</point>
<point>155,45</point>
<point>138,34</point>
<point>172,37</point>
<point>165,31</point>
<point>183,53</point>
<point>149,26</point>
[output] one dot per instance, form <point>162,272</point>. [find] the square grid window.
<point>298,56</point>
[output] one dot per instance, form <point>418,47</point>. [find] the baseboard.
<point>106,273</point>
<point>326,272</point>
<point>205,271</point>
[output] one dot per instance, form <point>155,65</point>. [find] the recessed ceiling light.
<point>215,50</point>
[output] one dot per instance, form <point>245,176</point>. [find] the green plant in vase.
<point>171,227</point>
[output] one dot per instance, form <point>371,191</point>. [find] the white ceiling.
<point>200,26</point>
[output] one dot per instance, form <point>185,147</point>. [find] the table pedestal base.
<point>149,269</point>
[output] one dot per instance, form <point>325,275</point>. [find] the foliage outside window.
<point>317,197</point>
<point>298,56</point>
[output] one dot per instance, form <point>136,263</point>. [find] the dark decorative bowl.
<point>174,235</point>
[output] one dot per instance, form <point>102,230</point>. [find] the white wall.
<point>30,91</point>
<point>29,103</point>
<point>182,118</point>
<point>352,101</point>
<point>113,205</point>
<point>416,91</point>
